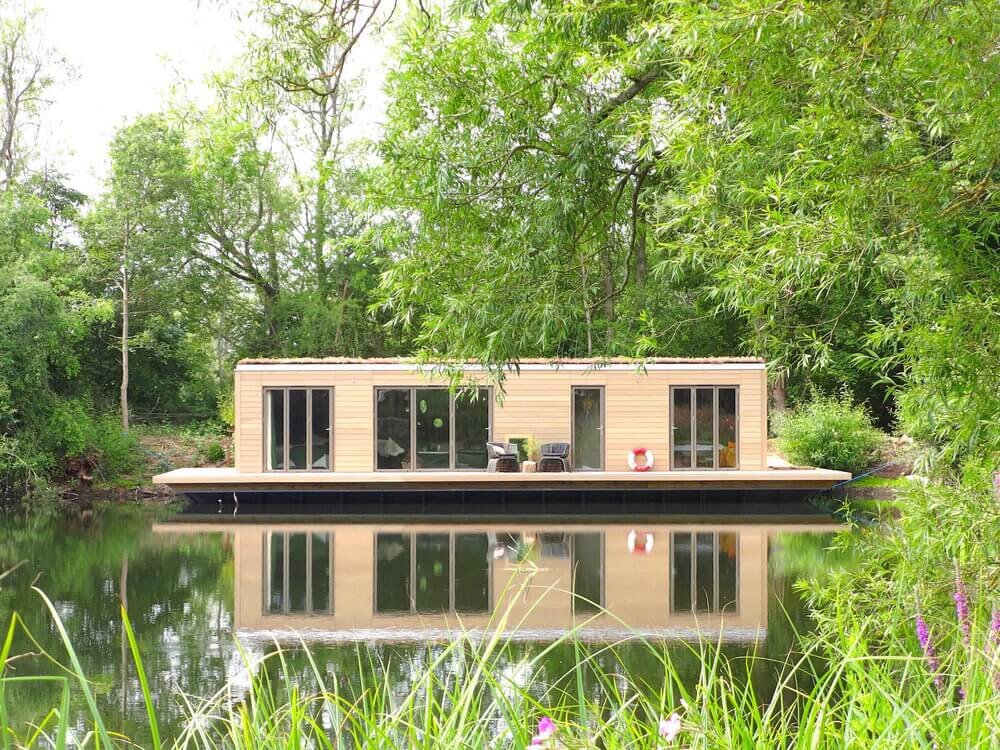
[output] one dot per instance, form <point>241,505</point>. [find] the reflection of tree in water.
<point>179,593</point>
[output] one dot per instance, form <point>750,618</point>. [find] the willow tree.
<point>519,162</point>
<point>811,183</point>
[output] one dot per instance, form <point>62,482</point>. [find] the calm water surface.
<point>198,584</point>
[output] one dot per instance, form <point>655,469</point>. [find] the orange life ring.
<point>633,539</point>
<point>634,454</point>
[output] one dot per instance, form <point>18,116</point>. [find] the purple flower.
<point>995,638</point>
<point>933,663</point>
<point>546,728</point>
<point>962,607</point>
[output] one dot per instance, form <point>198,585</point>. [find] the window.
<point>432,573</point>
<point>299,572</point>
<point>703,427</point>
<point>298,428</point>
<point>429,428</point>
<point>703,572</point>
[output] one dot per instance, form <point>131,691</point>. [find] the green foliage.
<point>829,432</point>
<point>213,452</point>
<point>909,564</point>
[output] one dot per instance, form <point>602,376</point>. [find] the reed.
<point>836,693</point>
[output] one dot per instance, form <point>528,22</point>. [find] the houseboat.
<point>384,425</point>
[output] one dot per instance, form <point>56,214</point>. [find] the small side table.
<point>528,467</point>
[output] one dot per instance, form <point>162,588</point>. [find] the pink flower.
<point>546,728</point>
<point>670,728</point>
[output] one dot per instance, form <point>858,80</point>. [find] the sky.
<point>128,55</point>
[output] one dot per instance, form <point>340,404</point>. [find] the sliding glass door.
<point>703,427</point>
<point>429,428</point>
<point>298,424</point>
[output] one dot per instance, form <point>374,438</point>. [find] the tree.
<point>27,70</point>
<point>138,227</point>
<point>520,167</point>
<point>813,184</point>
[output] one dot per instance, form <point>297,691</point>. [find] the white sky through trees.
<point>128,55</point>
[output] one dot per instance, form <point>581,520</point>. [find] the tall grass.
<point>837,693</point>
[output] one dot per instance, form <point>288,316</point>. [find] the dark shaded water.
<point>393,588</point>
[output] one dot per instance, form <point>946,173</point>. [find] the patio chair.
<point>555,457</point>
<point>503,458</point>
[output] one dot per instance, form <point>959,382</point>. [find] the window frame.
<point>412,389</point>
<point>285,574</point>
<point>694,433</point>
<point>411,595</point>
<point>715,610</point>
<point>309,417</point>
<point>602,429</point>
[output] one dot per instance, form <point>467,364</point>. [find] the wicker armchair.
<point>502,457</point>
<point>555,457</point>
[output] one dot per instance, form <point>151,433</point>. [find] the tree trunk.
<point>640,266</point>
<point>125,321</point>
<point>608,287</point>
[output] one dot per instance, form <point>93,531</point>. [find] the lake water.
<point>395,585</point>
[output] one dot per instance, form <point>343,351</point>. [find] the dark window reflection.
<point>703,572</point>
<point>437,572</point>
<point>472,573</point>
<point>588,571</point>
<point>392,573</point>
<point>276,574</point>
<point>299,567</point>
<point>433,573</point>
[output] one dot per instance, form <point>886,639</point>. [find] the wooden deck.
<point>208,479</point>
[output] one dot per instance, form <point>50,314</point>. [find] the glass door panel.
<point>681,427</point>
<point>472,429</point>
<point>297,429</point>
<point>704,428</point>
<point>432,575</point>
<point>276,429</point>
<point>588,429</point>
<point>727,428</point>
<point>320,429</point>
<point>433,428</point>
<point>392,439</point>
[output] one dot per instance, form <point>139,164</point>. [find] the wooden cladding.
<point>636,409</point>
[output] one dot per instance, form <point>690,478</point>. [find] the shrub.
<point>830,432</point>
<point>80,434</point>
<point>213,452</point>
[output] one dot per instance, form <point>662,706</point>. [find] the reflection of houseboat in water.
<point>409,582</point>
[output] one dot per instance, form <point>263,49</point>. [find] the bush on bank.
<point>830,432</point>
